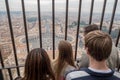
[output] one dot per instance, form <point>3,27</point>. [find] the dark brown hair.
<point>99,44</point>
<point>65,56</point>
<point>90,28</point>
<point>38,66</point>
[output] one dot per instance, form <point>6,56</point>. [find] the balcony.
<point>25,25</point>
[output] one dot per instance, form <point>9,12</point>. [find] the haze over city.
<point>46,5</point>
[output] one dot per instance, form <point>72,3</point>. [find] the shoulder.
<point>67,69</point>
<point>76,74</point>
<point>117,74</point>
<point>114,59</point>
<point>18,78</point>
<point>54,63</point>
<point>83,61</point>
<point>114,49</point>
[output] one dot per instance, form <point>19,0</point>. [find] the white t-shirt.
<point>99,71</point>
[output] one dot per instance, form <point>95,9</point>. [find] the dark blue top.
<point>87,74</point>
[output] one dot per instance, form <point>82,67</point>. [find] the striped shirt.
<point>87,74</point>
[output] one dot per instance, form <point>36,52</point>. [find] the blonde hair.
<point>99,44</point>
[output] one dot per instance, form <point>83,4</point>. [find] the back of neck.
<point>99,65</point>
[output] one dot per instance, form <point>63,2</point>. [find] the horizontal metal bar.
<point>11,67</point>
<point>12,35</point>
<point>112,18</point>
<point>79,15</point>
<point>103,12</point>
<point>25,25</point>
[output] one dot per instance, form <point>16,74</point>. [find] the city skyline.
<point>60,5</point>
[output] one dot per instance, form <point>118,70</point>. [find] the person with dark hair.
<point>113,61</point>
<point>38,66</point>
<point>90,28</point>
<point>98,46</point>
<point>65,61</point>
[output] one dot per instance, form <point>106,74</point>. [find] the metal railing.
<point>53,30</point>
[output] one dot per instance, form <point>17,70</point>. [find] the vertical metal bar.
<point>118,37</point>
<point>103,12</point>
<point>91,11</point>
<point>1,59</point>
<point>118,68</point>
<point>25,25</point>
<point>113,14</point>
<point>66,20</point>
<point>10,74</point>
<point>39,20</point>
<point>116,44</point>
<point>79,15</point>
<point>53,25</point>
<point>12,35</point>
<point>1,75</point>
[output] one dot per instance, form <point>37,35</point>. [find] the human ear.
<point>87,51</point>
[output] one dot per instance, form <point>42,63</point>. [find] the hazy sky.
<point>31,5</point>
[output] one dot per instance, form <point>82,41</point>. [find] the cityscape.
<point>46,25</point>
<point>32,23</point>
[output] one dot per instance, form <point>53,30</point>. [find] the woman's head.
<point>37,66</point>
<point>65,51</point>
<point>65,56</point>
